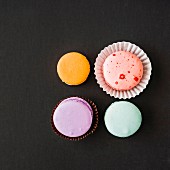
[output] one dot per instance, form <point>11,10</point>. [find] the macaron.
<point>73,68</point>
<point>74,118</point>
<point>122,119</point>
<point>122,70</point>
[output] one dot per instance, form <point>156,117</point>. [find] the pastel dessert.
<point>122,70</point>
<point>74,118</point>
<point>122,119</point>
<point>73,68</point>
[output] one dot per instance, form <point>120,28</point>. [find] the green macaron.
<point>122,119</point>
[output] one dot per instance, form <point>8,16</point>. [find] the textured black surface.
<point>33,36</point>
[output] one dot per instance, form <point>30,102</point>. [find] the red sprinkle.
<point>116,82</point>
<point>122,76</point>
<point>114,54</point>
<point>128,71</point>
<point>132,65</point>
<point>136,79</point>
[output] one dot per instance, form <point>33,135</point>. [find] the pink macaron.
<point>122,70</point>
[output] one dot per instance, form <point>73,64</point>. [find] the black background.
<point>33,36</point>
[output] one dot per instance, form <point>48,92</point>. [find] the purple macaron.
<point>73,118</point>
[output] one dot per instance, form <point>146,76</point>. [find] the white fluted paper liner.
<point>122,46</point>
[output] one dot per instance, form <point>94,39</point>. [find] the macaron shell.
<point>122,70</point>
<point>73,117</point>
<point>122,119</point>
<point>73,68</point>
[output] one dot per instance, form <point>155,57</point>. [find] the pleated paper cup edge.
<point>127,46</point>
<point>89,132</point>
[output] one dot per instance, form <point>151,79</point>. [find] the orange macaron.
<point>73,68</point>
